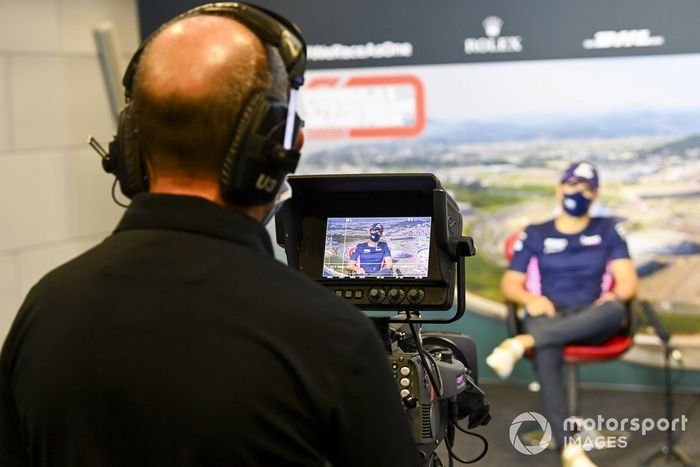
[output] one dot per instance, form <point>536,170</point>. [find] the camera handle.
<point>460,248</point>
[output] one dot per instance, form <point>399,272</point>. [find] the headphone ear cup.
<point>124,159</point>
<point>256,163</point>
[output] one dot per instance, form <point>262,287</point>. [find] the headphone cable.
<point>114,195</point>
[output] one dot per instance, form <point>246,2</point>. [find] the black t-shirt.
<point>180,341</point>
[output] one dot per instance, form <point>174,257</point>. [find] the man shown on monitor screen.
<point>373,256</point>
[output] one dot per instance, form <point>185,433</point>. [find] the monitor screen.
<point>360,247</point>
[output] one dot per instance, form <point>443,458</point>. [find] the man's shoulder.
<point>604,223</point>
<point>534,232</point>
<point>295,288</point>
<point>312,306</point>
<point>607,227</point>
<point>82,264</point>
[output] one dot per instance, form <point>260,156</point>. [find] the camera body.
<point>392,242</point>
<point>451,358</point>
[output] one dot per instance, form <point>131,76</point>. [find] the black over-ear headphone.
<point>260,155</point>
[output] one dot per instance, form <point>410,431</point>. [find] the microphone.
<point>94,144</point>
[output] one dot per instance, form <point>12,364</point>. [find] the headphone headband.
<point>268,26</point>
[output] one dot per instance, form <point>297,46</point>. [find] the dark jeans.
<point>588,325</point>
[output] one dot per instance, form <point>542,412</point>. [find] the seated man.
<point>372,257</point>
<point>573,253</point>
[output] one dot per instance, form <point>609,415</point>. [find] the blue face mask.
<point>374,236</point>
<point>576,204</point>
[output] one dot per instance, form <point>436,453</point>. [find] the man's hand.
<point>539,306</point>
<point>360,271</point>
<point>388,263</point>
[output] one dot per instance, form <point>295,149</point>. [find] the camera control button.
<point>416,296</point>
<point>405,382</point>
<point>376,295</point>
<point>404,393</point>
<point>358,294</point>
<point>405,371</point>
<point>348,294</point>
<point>410,402</point>
<point>396,295</point>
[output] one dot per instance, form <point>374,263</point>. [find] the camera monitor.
<point>382,241</point>
<point>377,247</point>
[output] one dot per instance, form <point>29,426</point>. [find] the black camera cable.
<point>450,440</point>
<point>421,354</point>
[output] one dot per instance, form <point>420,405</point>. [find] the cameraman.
<point>179,340</point>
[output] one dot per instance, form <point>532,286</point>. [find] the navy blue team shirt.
<point>569,269</point>
<point>371,257</point>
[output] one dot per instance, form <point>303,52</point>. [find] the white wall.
<point>54,197</point>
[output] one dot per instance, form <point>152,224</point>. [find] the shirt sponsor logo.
<point>555,245</point>
<point>623,39</point>
<point>590,240</point>
<point>493,43</point>
<point>621,231</point>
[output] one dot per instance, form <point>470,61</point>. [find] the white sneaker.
<point>574,456</point>
<point>504,357</point>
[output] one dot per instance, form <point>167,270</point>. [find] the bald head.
<point>191,83</point>
<point>196,57</point>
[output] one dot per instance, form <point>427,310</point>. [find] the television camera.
<point>393,243</point>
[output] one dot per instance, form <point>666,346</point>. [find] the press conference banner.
<point>365,33</point>
<point>495,97</point>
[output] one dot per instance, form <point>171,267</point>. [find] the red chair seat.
<point>592,353</point>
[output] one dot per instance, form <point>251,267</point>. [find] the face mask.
<point>283,195</point>
<point>576,204</point>
<point>374,236</point>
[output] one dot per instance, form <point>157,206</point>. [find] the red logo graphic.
<point>390,106</point>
